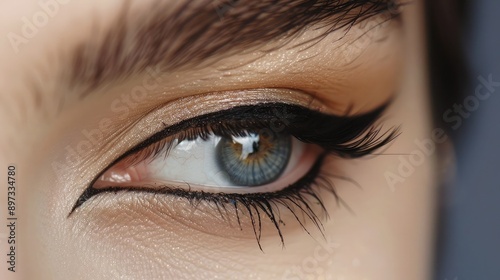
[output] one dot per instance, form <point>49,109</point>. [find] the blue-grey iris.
<point>254,159</point>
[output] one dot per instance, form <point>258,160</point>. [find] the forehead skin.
<point>389,236</point>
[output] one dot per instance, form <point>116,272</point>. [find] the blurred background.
<point>469,241</point>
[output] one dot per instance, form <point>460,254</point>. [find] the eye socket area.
<point>258,161</point>
<point>298,189</point>
<point>344,136</point>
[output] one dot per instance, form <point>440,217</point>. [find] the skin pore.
<point>67,115</point>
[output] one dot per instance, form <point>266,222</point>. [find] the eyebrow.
<point>196,31</point>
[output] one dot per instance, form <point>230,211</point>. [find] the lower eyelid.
<point>162,216</point>
<point>167,214</point>
<point>301,207</point>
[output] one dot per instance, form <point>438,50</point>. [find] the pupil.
<point>254,160</point>
<point>255,147</point>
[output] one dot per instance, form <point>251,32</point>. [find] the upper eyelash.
<point>344,136</point>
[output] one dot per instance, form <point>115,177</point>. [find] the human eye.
<point>247,164</point>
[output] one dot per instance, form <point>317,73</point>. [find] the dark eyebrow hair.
<point>195,31</point>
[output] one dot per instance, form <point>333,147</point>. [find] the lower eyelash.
<point>296,198</point>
